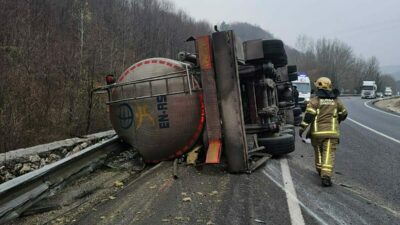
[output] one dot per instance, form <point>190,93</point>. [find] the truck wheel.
<point>288,131</point>
<point>288,127</point>
<point>297,111</point>
<point>275,52</point>
<point>297,120</point>
<point>282,144</point>
<point>283,98</point>
<point>285,104</point>
<point>289,117</point>
<point>286,96</point>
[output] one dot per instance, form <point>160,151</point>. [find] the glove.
<point>301,130</point>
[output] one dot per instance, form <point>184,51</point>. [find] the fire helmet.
<point>323,83</point>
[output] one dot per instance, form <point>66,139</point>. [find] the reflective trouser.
<point>324,150</point>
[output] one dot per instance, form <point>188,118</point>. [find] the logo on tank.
<point>162,107</point>
<point>142,114</point>
<point>125,116</point>
<point>139,116</point>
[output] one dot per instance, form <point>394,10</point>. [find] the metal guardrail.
<point>344,95</point>
<point>56,145</point>
<point>18,194</point>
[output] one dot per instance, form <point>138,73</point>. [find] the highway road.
<point>286,190</point>
<point>367,180</point>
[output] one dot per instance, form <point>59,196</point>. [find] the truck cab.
<point>368,89</point>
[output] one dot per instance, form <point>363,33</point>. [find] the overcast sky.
<point>370,27</point>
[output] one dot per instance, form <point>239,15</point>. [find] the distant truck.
<point>304,88</point>
<point>369,89</point>
<point>388,91</point>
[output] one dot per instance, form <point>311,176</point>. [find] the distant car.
<point>379,94</point>
<point>388,91</point>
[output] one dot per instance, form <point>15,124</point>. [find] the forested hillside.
<point>247,31</point>
<point>323,57</point>
<point>53,53</point>
<point>337,60</point>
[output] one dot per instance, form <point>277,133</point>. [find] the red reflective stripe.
<point>152,61</point>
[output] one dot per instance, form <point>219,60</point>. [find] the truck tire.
<point>288,127</point>
<point>289,117</point>
<point>286,95</point>
<point>279,145</point>
<point>297,120</point>
<point>285,104</point>
<point>288,131</point>
<point>275,52</point>
<point>297,111</point>
<point>283,98</point>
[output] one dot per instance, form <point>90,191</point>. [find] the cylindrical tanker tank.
<point>155,113</point>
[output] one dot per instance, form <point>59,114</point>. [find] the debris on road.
<point>306,140</point>
<point>187,199</point>
<point>259,221</point>
<point>213,193</point>
<point>193,155</point>
<point>346,186</point>
<point>118,183</point>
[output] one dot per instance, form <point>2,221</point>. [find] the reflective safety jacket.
<point>324,116</point>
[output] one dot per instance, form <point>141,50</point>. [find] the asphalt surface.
<point>366,181</point>
<point>286,190</point>
<point>376,167</point>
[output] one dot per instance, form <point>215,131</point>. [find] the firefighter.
<point>323,114</point>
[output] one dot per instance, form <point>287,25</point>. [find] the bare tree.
<point>52,54</point>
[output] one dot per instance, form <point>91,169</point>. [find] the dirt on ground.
<point>85,193</point>
<point>392,104</point>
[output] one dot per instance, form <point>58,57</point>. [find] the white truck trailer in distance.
<point>368,89</point>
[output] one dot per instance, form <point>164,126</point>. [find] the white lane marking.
<point>379,110</point>
<point>308,210</point>
<point>375,131</point>
<point>294,208</point>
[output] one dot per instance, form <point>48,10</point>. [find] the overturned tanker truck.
<point>233,97</point>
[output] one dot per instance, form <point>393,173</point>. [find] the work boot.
<point>326,181</point>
